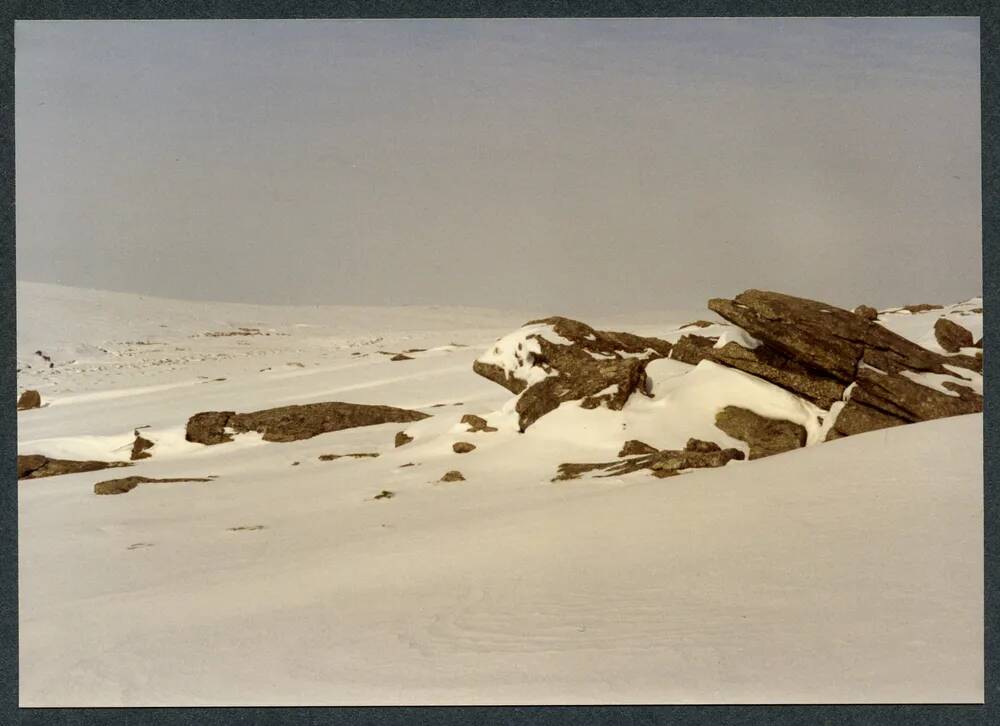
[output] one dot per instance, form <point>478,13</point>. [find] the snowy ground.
<point>845,572</point>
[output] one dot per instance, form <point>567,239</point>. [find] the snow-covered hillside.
<point>843,572</point>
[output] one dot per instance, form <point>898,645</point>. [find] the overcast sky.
<point>550,164</point>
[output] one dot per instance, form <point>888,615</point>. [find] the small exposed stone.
<point>463,447</point>
<point>401,356</point>
<point>333,457</point>
<point>140,446</point>
<point>384,494</point>
<point>28,400</point>
<point>701,446</point>
<point>402,439</point>
<point>453,476</point>
<point>634,447</point>
<point>477,424</point>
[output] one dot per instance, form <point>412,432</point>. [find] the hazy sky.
<point>551,164</point>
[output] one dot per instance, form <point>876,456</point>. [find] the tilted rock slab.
<point>293,423</point>
<point>550,361</point>
<point>36,466</point>
<point>838,346</point>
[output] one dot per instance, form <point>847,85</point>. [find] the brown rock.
<point>660,464</point>
<point>634,447</point>
<point>463,447</point>
<point>857,418</point>
<point>402,438</point>
<point>951,336</point>
<point>766,436</point>
<point>903,398</point>
<point>123,486</point>
<point>35,466</point>
<point>921,307</point>
<point>693,349</point>
<point>827,340</point>
<point>595,367</point>
<point>140,446</point>
<point>333,457</point>
<point>209,427</point>
<point>453,476</point>
<point>698,324</point>
<point>867,312</point>
<point>477,424</point>
<point>704,447</point>
<point>28,400</point>
<point>401,356</point>
<point>294,423</point>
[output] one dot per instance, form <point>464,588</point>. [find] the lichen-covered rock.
<point>551,361</point>
<point>36,466</point>
<point>477,424</point>
<point>29,399</point>
<point>463,447</point>
<point>294,423</point>
<point>951,336</point>
<point>765,436</point>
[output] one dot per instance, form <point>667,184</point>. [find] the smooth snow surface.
<point>844,572</point>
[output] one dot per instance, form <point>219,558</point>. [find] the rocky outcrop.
<point>828,349</point>
<point>123,486</point>
<point>293,423</point>
<point>463,447</point>
<point>951,336</point>
<point>477,424</point>
<point>554,360</point>
<point>29,400</point>
<point>765,436</point>
<point>453,475</point>
<point>36,466</point>
<point>660,464</point>
<point>140,447</point>
<point>921,307</point>
<point>400,356</point>
<point>402,438</point>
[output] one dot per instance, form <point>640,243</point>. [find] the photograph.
<point>499,361</point>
